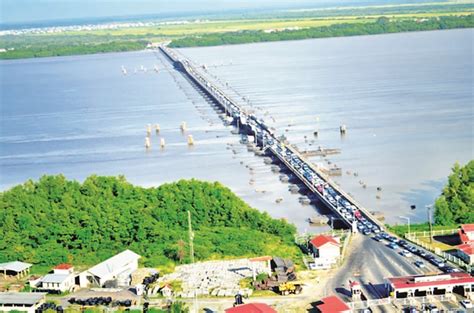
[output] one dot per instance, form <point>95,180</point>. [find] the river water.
<point>406,99</point>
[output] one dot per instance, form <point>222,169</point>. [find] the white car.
<point>406,253</point>
<point>467,304</point>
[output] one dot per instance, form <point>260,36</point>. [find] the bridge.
<point>344,206</point>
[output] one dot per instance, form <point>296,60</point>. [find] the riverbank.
<point>214,33</point>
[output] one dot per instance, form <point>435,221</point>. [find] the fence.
<point>369,303</point>
<point>440,232</point>
<point>447,256</point>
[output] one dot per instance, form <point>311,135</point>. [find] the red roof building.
<point>466,233</point>
<point>466,252</point>
<point>251,308</point>
<point>322,240</point>
<point>333,304</point>
<point>411,285</point>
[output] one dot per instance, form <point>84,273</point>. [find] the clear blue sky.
<point>16,11</point>
<point>30,11</point>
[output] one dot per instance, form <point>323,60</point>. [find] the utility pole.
<point>408,219</point>
<point>191,238</point>
<point>428,208</point>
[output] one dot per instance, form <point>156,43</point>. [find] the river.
<point>406,99</point>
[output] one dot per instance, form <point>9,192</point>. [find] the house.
<point>333,304</point>
<point>113,272</point>
<point>166,291</point>
<point>251,308</point>
<point>15,268</point>
<point>21,301</point>
<point>466,233</point>
<point>466,252</point>
<point>61,279</point>
<point>325,250</point>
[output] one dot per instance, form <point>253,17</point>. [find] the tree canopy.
<point>57,220</point>
<point>456,203</point>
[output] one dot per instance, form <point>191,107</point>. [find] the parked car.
<point>420,264</point>
<point>467,304</point>
<point>366,231</point>
<point>393,245</point>
<point>377,238</point>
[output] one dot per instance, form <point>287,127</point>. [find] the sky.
<point>33,11</point>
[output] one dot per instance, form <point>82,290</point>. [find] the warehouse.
<point>113,272</point>
<point>21,301</point>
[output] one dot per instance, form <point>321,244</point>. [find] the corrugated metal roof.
<point>15,266</point>
<point>54,278</point>
<point>26,298</point>
<point>113,265</point>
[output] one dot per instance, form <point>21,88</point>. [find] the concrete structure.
<point>252,308</point>
<point>466,233</point>
<point>15,268</point>
<point>21,301</point>
<point>356,290</point>
<point>333,304</point>
<point>466,252</point>
<point>326,251</point>
<point>425,285</point>
<point>115,271</point>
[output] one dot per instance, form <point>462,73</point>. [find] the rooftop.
<point>15,266</point>
<point>332,304</point>
<point>467,248</point>
<point>467,227</point>
<point>251,308</point>
<point>321,240</point>
<point>63,266</point>
<point>25,298</point>
<point>54,278</point>
<point>114,264</point>
<point>408,282</point>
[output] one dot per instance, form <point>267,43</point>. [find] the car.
<point>406,253</point>
<point>420,264</point>
<point>403,243</point>
<point>392,245</point>
<point>467,304</point>
<point>366,231</point>
<point>429,308</point>
<point>439,263</point>
<point>377,238</point>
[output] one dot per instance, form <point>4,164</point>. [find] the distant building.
<point>333,304</point>
<point>113,272</point>
<point>251,308</point>
<point>425,285</point>
<point>326,251</point>
<point>466,233</point>
<point>466,252</point>
<point>15,268</point>
<point>61,279</point>
<point>21,301</point>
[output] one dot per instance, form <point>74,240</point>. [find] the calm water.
<point>407,100</point>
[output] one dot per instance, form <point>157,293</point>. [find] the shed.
<point>21,301</point>
<point>15,268</point>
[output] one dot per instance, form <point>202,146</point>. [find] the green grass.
<point>401,230</point>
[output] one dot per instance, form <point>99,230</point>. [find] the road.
<point>370,262</point>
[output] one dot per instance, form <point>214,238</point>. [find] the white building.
<point>326,251</point>
<point>62,279</point>
<point>116,271</point>
<point>21,301</point>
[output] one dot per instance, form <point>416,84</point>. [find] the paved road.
<point>370,263</point>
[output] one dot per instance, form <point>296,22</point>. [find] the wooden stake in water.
<point>190,140</point>
<point>157,128</point>
<point>147,143</point>
<point>162,142</point>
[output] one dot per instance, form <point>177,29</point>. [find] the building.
<point>15,268</point>
<point>333,304</point>
<point>466,252</point>
<point>424,285</point>
<point>325,250</point>
<point>113,272</point>
<point>62,279</point>
<point>21,301</point>
<point>252,308</point>
<point>466,233</point>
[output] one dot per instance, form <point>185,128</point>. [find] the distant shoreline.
<point>381,26</point>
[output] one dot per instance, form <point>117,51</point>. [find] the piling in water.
<point>162,142</point>
<point>183,126</point>
<point>343,129</point>
<point>157,128</point>
<point>190,140</point>
<point>147,143</point>
<point>148,130</point>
